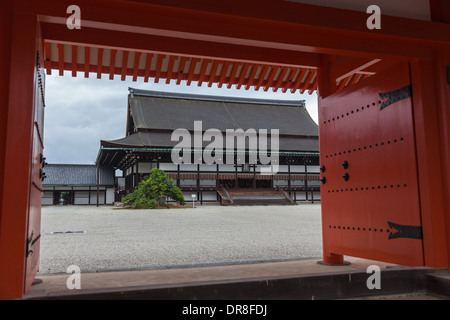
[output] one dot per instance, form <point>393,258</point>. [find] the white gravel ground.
<point>118,239</point>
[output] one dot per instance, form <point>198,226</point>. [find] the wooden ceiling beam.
<point>55,33</point>
<point>112,63</point>
<point>148,65</point>
<point>99,63</point>
<point>74,61</point>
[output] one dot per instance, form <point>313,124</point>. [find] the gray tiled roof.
<point>161,111</point>
<point>77,175</point>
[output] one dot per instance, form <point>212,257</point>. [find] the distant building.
<point>77,184</point>
<point>153,116</point>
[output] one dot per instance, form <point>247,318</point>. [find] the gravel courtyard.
<point>104,238</point>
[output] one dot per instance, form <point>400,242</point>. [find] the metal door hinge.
<point>37,187</point>
<point>42,175</point>
<point>30,243</point>
<point>403,231</point>
<point>395,96</point>
<point>448,74</point>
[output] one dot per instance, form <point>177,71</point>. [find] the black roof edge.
<point>189,96</point>
<point>71,164</point>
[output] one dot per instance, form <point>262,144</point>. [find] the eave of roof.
<point>162,141</point>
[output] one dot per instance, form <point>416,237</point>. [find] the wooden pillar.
<point>306,182</point>
<point>441,68</point>
<point>289,181</point>
<point>19,34</point>
<point>236,181</point>
<point>440,11</point>
<point>198,184</point>
<point>217,182</point>
<point>138,176</point>
<point>217,175</point>
<point>429,117</point>
<point>325,82</point>
<point>133,177</point>
<point>326,86</point>
<point>98,182</point>
<point>6,40</point>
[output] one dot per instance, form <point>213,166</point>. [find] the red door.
<point>37,176</point>
<point>370,197</point>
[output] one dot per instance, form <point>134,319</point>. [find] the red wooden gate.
<point>37,176</point>
<point>370,197</point>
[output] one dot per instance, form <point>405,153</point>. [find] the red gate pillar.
<point>5,58</point>
<point>16,145</point>
<point>442,76</point>
<point>326,87</point>
<point>430,159</point>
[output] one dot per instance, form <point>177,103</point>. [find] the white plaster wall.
<point>47,198</point>
<point>168,166</point>
<point>209,196</point>
<point>110,196</point>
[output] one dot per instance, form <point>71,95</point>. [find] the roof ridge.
<point>69,164</point>
<point>191,96</point>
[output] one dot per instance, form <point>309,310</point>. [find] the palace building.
<point>78,184</point>
<point>153,117</point>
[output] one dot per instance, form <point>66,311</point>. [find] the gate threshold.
<point>292,280</point>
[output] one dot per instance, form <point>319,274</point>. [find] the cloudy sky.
<point>80,112</point>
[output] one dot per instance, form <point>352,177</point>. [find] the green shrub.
<point>176,194</point>
<point>153,190</point>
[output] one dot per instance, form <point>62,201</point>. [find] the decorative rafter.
<point>157,66</point>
